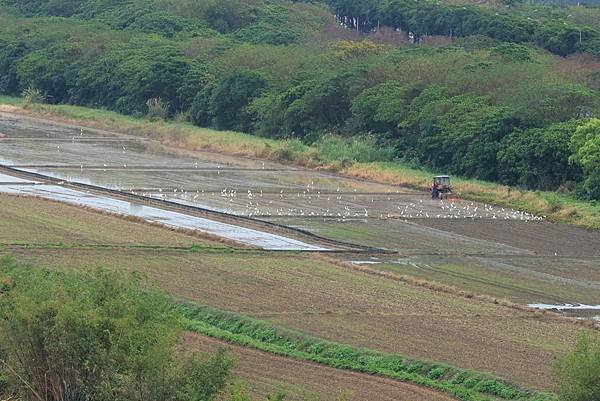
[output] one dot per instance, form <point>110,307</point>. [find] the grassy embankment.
<point>339,157</point>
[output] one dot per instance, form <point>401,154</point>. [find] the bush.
<point>231,97</point>
<point>585,145</point>
<point>157,108</point>
<point>539,157</point>
<point>33,96</point>
<point>577,374</point>
<point>96,336</point>
<point>290,150</point>
<point>436,373</point>
<point>336,149</point>
<point>511,52</point>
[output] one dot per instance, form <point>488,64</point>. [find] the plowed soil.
<point>540,237</point>
<point>319,296</point>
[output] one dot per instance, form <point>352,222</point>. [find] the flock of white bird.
<point>311,202</point>
<point>338,204</point>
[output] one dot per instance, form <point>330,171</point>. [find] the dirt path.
<point>267,374</point>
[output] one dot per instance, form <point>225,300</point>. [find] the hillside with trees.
<point>503,91</point>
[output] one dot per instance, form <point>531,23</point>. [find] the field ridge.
<point>466,385</point>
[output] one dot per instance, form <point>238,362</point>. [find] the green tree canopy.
<point>231,96</point>
<point>538,157</point>
<point>585,145</point>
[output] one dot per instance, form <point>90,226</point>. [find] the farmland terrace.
<point>487,262</point>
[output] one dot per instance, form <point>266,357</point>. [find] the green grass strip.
<point>465,385</point>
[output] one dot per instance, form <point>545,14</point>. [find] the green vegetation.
<point>33,95</point>
<point>586,152</point>
<point>474,90</point>
<point>577,374</point>
<point>465,385</point>
<point>95,336</point>
<point>424,18</point>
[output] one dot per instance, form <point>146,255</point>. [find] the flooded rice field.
<point>169,218</point>
<point>140,166</point>
<point>488,239</point>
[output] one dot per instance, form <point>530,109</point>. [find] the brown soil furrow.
<point>540,237</point>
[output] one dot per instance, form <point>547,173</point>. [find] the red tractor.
<point>441,188</point>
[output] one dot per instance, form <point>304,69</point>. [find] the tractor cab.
<point>441,187</point>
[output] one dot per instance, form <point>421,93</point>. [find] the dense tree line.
<point>422,18</point>
<point>481,107</point>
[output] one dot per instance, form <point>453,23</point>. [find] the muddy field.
<point>475,247</point>
<point>540,237</point>
<point>261,190</point>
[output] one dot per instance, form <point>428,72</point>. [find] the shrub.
<point>511,52</point>
<point>33,96</point>
<point>182,117</point>
<point>232,96</point>
<point>96,336</point>
<point>577,374</point>
<point>158,109</point>
<point>554,202</point>
<point>336,149</point>
<point>496,388</point>
<point>585,144</point>
<point>539,157</point>
<point>290,150</point>
<point>436,373</point>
